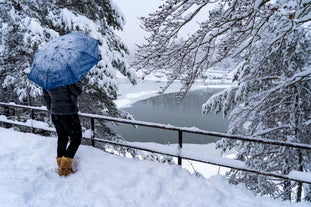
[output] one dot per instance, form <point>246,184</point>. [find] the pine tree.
<point>27,25</point>
<point>269,44</point>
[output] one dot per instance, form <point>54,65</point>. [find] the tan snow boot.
<point>65,167</point>
<point>58,160</point>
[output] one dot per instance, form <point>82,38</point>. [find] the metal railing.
<point>179,152</point>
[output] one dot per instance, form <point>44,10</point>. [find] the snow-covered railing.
<point>168,150</point>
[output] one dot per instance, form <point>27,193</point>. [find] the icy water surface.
<point>165,109</point>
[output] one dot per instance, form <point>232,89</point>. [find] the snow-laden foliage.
<point>27,25</point>
<point>270,45</point>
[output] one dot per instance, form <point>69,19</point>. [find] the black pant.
<point>67,126</point>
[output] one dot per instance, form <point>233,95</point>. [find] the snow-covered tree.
<point>269,44</point>
<point>26,25</point>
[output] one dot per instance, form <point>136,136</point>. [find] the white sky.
<point>132,10</point>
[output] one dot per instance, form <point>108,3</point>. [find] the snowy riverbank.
<point>28,179</point>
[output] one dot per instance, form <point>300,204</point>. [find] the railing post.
<point>32,116</point>
<point>6,112</point>
<point>93,131</point>
<point>179,146</point>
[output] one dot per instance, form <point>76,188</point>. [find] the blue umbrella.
<point>64,60</point>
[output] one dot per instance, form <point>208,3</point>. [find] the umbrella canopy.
<point>64,60</point>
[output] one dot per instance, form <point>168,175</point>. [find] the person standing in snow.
<point>62,104</point>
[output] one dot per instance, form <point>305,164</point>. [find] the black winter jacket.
<point>63,100</point>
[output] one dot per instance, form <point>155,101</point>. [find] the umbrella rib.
<point>46,78</point>
<point>88,55</point>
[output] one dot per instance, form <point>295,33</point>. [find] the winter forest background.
<point>266,43</point>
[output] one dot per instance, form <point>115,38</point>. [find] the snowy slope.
<point>28,179</point>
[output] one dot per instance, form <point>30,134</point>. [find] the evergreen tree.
<point>269,44</point>
<point>28,24</point>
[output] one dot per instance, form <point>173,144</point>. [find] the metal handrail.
<point>223,162</point>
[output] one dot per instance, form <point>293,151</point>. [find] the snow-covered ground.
<point>28,178</point>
